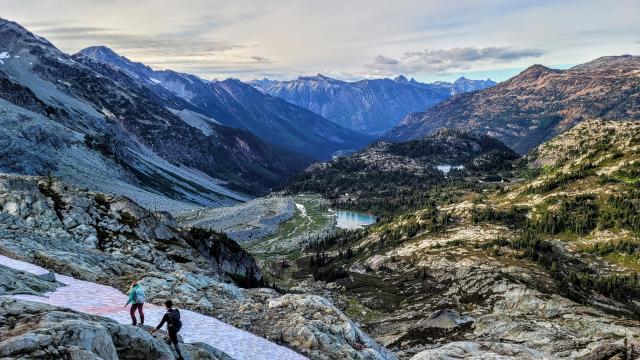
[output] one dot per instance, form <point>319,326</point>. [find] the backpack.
<point>174,319</point>
<point>138,295</point>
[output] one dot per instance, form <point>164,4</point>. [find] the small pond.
<point>352,220</point>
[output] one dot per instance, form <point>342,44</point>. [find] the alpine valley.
<point>316,218</point>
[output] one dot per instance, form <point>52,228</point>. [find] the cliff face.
<point>537,104</point>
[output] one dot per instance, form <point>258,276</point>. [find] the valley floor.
<point>106,301</point>
<point>269,226</point>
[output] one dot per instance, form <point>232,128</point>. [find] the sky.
<point>347,39</point>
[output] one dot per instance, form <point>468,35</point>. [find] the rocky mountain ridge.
<point>537,104</point>
<point>69,118</point>
<point>464,85</point>
<point>238,105</point>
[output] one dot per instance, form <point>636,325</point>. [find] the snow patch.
<point>108,113</point>
<point>4,55</point>
<point>302,210</point>
<point>195,120</point>
<point>108,302</point>
<point>178,88</point>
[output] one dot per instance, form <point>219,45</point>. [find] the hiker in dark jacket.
<point>174,324</point>
<point>136,299</point>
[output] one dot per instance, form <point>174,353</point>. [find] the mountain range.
<point>537,104</point>
<point>235,104</point>
<point>367,106</point>
<point>98,127</point>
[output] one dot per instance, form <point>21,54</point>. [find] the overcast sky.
<point>348,39</point>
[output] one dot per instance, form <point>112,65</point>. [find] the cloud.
<point>65,30</point>
<point>159,45</point>
<point>383,60</point>
<point>441,60</point>
<point>261,59</point>
<point>308,37</point>
<point>471,54</point>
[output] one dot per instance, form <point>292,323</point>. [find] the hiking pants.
<point>173,335</point>
<point>132,312</point>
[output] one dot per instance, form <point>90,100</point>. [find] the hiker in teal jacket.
<point>136,299</point>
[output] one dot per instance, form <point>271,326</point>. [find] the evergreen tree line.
<point>514,216</point>
<point>606,248</point>
<point>575,279</point>
<point>562,179</point>
<point>583,213</point>
<point>578,215</point>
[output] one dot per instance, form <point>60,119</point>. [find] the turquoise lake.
<point>352,220</point>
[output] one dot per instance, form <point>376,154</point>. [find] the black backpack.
<point>174,319</point>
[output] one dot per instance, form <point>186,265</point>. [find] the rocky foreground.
<point>38,331</point>
<point>111,240</point>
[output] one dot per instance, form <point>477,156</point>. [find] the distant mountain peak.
<point>106,55</point>
<point>317,77</point>
<point>12,33</point>
<point>232,80</point>
<point>536,104</point>
<point>100,49</point>
<point>370,106</point>
<point>537,68</point>
<point>401,79</point>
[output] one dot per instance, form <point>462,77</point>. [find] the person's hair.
<point>168,304</point>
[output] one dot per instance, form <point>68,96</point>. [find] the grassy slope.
<point>306,225</point>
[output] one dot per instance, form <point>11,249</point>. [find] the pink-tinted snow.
<point>96,299</point>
